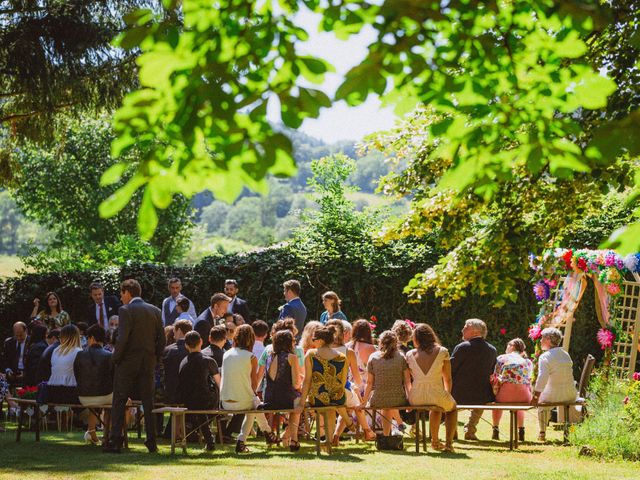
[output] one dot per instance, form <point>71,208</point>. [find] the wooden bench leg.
<point>219,430</point>
<point>317,433</point>
<point>183,423</point>
<point>173,433</point>
<point>21,413</point>
<point>511,427</point>
<point>418,413</point>
<point>37,415</point>
<point>423,419</point>
<point>566,424</point>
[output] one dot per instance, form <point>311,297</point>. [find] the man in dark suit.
<point>102,308</point>
<point>236,305</point>
<point>139,346</point>
<point>294,308</point>
<point>472,363</point>
<point>212,316</point>
<point>14,355</point>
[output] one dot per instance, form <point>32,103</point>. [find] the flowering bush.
<point>632,402</point>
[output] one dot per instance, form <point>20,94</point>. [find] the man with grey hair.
<point>472,363</point>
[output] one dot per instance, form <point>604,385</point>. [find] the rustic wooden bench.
<point>178,415</point>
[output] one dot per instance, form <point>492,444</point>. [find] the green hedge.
<point>365,290</point>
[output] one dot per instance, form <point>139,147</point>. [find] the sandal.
<point>271,438</point>
<point>294,446</point>
<point>449,448</point>
<point>241,447</point>
<point>438,445</point>
<point>369,435</point>
<point>335,442</point>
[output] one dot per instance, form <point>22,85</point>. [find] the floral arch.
<point>561,277</point>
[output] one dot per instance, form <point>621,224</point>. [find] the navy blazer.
<point>296,310</point>
<point>472,363</point>
<point>241,308</point>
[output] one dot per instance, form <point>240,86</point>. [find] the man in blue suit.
<point>294,308</point>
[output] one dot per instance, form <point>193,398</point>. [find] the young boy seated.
<point>199,385</point>
<point>217,341</point>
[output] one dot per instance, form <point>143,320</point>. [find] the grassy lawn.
<point>61,455</point>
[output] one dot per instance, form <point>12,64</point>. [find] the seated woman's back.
<point>236,376</point>
<point>93,370</point>
<point>62,367</point>
<point>426,365</point>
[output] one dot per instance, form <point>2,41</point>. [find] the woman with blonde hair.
<point>332,303</point>
<point>306,340</point>
<point>62,386</point>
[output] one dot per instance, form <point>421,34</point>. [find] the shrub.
<point>607,430</point>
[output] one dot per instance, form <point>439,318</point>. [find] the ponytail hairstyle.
<point>519,346</point>
<point>388,343</point>
<point>361,332</point>
<point>339,337</point>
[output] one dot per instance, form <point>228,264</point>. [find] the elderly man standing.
<point>472,363</point>
<point>14,354</point>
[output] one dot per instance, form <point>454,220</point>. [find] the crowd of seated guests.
<point>220,359</point>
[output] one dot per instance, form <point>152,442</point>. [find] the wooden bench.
<point>178,415</point>
<point>512,408</point>
<point>23,404</point>
<point>565,408</point>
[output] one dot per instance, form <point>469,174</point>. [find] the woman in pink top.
<point>512,378</point>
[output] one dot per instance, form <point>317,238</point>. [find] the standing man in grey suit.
<point>139,346</point>
<point>294,308</point>
<point>169,312</point>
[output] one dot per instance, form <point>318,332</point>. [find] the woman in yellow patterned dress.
<point>325,376</point>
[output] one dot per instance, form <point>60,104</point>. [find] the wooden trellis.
<point>625,347</point>
<point>627,317</point>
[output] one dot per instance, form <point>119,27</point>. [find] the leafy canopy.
<point>508,79</point>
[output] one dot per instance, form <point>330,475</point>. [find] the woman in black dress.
<point>283,381</point>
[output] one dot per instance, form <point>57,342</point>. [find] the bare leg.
<point>434,429</point>
<point>387,415</point>
<point>451,424</point>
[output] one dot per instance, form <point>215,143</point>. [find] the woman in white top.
<point>62,386</point>
<point>431,383</point>
<point>239,383</point>
<point>555,383</point>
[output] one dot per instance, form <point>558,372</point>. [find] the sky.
<point>340,122</point>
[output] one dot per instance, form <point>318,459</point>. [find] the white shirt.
<point>230,306</point>
<point>185,316</point>
<point>62,368</point>
<point>258,348</point>
<point>236,376</point>
<point>21,348</point>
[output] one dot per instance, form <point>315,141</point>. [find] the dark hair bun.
<point>325,334</point>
